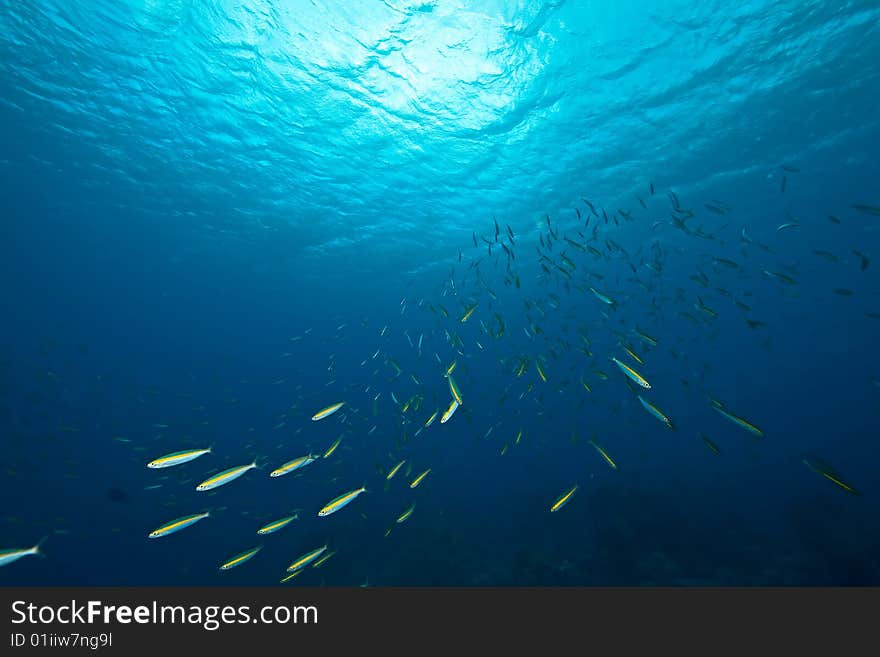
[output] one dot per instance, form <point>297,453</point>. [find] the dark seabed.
<point>220,218</point>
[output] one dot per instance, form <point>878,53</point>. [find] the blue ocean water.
<point>219,217</point>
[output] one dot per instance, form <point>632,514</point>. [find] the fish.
<point>788,280</point>
<point>177,458</point>
<point>790,224</point>
<point>602,297</point>
<point>632,374</point>
<point>829,474</point>
<point>295,464</point>
<point>563,499</point>
<point>604,454</point>
<point>710,444</point>
<point>339,502</point>
<point>332,448</point>
<point>748,426</point>
<point>289,577</point>
<point>11,555</point>
<point>276,525</point>
<point>393,471</point>
<point>177,524</point>
<point>541,371</point>
<point>306,559</point>
<point>415,482</point>
<point>454,389</point>
<point>406,514</point>
<point>867,209</point>
<point>328,410</point>
<point>645,337</point>
<point>222,478</point>
<point>726,262</point>
<point>704,308</point>
<point>241,558</point>
<point>633,355</point>
<point>449,412</point>
<point>865,261</point>
<point>431,419</point>
<point>826,254</point>
<point>656,412</point>
<point>468,312</point>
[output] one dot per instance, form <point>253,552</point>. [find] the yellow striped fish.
<point>541,371</point>
<point>468,313</point>
<point>275,525</point>
<point>449,412</point>
<point>563,499</point>
<point>830,475</point>
<point>343,500</point>
<point>290,466</point>
<point>745,424</point>
<point>332,448</point>
<point>647,339</point>
<point>225,477</point>
<point>306,559</point>
<point>418,480</point>
<point>454,389</point>
<point>329,410</point>
<point>177,524</point>
<point>656,412</point>
<point>406,514</point>
<point>633,355</point>
<point>604,454</point>
<point>177,458</point>
<point>393,471</point>
<point>239,559</point>
<point>289,577</point>
<point>631,373</point>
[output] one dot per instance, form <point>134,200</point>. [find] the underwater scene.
<point>447,293</point>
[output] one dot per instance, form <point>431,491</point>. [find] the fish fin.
<point>38,548</point>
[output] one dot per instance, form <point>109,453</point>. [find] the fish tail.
<point>37,550</point>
